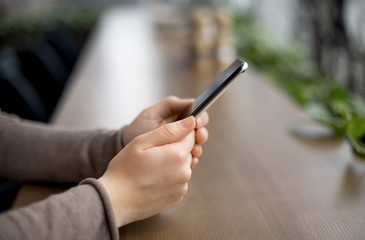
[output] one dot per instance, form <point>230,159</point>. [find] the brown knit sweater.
<point>31,152</point>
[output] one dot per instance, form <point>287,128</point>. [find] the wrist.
<point>114,201</point>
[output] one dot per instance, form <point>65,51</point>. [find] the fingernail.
<point>194,162</point>
<point>187,122</point>
<point>198,122</point>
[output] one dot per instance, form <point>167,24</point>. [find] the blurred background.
<point>40,41</point>
<point>299,41</point>
<point>313,50</point>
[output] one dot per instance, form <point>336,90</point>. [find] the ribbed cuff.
<point>113,229</point>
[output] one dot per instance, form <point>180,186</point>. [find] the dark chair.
<point>17,95</point>
<point>43,67</point>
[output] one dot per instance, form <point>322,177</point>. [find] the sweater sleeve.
<point>83,212</point>
<point>31,151</point>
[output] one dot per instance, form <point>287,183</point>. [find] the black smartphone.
<point>215,89</point>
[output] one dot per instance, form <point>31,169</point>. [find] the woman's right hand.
<point>151,173</point>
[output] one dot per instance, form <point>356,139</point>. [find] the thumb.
<point>169,133</point>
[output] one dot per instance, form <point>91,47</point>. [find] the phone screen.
<point>215,89</point>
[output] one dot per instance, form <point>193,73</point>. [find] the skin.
<point>152,172</point>
<point>166,111</point>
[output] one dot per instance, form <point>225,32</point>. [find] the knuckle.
<point>182,192</point>
<point>171,98</point>
<point>137,140</point>
<point>184,189</point>
<point>135,151</point>
<point>167,130</point>
<point>180,156</point>
<point>135,145</point>
<point>186,175</point>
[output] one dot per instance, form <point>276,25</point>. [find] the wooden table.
<point>255,179</point>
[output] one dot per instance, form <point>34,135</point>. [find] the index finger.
<point>174,105</point>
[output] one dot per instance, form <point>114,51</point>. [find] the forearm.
<point>36,152</point>
<point>83,212</point>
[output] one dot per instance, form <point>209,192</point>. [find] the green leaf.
<point>355,132</point>
<point>356,127</point>
<point>358,106</point>
<point>320,113</point>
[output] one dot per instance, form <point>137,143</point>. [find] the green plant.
<point>325,99</point>
<point>78,19</point>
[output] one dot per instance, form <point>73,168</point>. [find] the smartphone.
<point>215,89</point>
